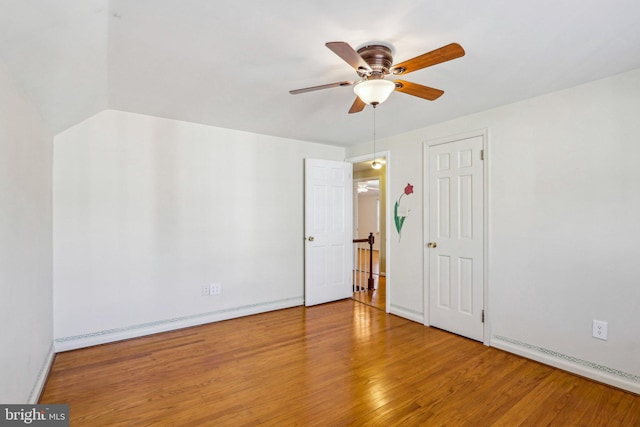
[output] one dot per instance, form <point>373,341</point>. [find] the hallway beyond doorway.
<point>377,297</point>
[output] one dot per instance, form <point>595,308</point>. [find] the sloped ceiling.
<point>231,64</point>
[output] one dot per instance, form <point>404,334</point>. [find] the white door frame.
<point>387,223</point>
<point>484,133</point>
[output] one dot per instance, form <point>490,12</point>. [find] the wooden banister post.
<point>370,281</point>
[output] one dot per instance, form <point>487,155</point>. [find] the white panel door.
<point>456,237</point>
<point>328,231</point>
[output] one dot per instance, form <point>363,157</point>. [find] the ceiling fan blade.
<point>349,55</point>
<point>420,91</point>
<point>444,54</point>
<point>357,106</point>
<point>327,86</point>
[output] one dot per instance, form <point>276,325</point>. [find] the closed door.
<point>456,237</point>
<point>328,231</point>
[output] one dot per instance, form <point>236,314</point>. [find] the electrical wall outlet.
<point>206,291</point>
<point>216,289</point>
<point>600,329</point>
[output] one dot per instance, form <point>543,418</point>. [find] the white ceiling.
<point>231,64</point>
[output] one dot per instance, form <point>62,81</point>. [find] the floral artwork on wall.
<point>399,219</point>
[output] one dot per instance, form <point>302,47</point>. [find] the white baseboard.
<point>41,380</point>
<point>406,313</point>
<point>571,364</point>
<point>135,331</point>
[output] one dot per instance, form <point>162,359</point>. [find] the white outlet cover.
<point>216,289</point>
<point>600,329</point>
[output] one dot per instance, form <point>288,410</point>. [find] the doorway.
<point>369,217</point>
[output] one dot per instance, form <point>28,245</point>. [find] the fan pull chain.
<point>374,133</point>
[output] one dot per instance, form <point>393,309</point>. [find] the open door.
<point>328,231</point>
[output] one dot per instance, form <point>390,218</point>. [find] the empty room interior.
<point>178,204</point>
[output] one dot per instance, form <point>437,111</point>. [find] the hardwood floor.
<point>337,364</point>
<point>375,298</point>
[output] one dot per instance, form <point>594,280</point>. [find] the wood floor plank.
<point>343,363</point>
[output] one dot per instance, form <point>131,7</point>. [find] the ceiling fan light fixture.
<point>374,92</point>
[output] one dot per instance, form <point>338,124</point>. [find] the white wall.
<point>148,210</point>
<point>564,200</point>
<point>26,330</point>
<point>368,217</point>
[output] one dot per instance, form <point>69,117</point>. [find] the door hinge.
<point>481,154</point>
<point>482,316</point>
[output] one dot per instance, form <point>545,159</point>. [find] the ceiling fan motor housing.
<point>379,58</point>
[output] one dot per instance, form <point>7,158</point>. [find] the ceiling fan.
<point>365,186</point>
<point>373,62</point>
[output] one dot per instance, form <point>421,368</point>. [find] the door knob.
<point>432,245</point>
<point>311,239</point>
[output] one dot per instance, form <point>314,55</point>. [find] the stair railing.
<point>360,265</point>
